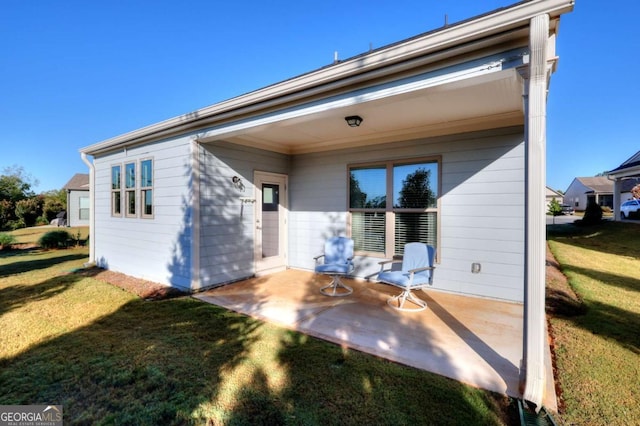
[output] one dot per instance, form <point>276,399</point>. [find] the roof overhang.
<point>306,113</point>
<point>627,172</point>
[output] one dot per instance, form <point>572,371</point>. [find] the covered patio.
<point>464,338</point>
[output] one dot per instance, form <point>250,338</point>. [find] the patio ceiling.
<point>483,102</point>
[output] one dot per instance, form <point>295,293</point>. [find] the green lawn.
<point>598,343</point>
<point>111,358</point>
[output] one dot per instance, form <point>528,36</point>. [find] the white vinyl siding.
<point>160,249</point>
<point>481,208</point>
<point>227,228</point>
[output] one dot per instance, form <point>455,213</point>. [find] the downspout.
<point>535,330</point>
<point>195,215</point>
<point>92,214</point>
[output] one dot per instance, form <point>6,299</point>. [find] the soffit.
<point>481,103</point>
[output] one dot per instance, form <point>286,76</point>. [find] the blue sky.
<point>73,73</point>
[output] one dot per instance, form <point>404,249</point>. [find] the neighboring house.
<point>625,177</point>
<point>255,184</point>
<point>584,189</point>
<point>78,205</point>
<point>551,195</point>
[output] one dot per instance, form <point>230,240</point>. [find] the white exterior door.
<point>271,222</point>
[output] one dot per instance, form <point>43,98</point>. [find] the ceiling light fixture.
<point>353,120</point>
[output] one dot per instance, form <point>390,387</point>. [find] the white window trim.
<point>128,190</point>
<point>389,210</point>
<point>143,189</point>
<point>114,191</point>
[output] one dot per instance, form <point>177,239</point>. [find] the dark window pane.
<point>115,177</point>
<point>415,228</point>
<point>415,185</point>
<point>146,172</point>
<point>270,197</point>
<point>147,197</point>
<point>117,209</point>
<point>130,175</point>
<point>131,202</point>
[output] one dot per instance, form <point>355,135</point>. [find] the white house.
<point>552,194</point>
<point>77,190</point>
<point>598,189</point>
<point>255,184</point>
<point>625,177</point>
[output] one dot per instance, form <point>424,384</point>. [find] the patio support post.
<point>535,331</point>
<point>617,188</point>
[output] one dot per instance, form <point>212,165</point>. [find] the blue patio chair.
<point>416,273</point>
<point>337,262</point>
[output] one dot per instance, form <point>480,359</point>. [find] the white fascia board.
<point>627,172</point>
<point>429,43</point>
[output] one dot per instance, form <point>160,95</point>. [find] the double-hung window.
<point>146,188</point>
<point>130,189</point>
<point>116,195</point>
<point>394,203</point>
<point>83,210</point>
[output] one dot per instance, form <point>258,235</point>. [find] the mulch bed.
<point>144,289</point>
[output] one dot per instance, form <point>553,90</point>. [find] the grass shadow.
<point>182,361</point>
<point>34,264</point>
<point>17,296</point>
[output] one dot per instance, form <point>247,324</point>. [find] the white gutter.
<point>344,73</point>
<point>535,330</point>
<point>92,209</point>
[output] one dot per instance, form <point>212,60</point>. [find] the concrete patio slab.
<point>475,341</point>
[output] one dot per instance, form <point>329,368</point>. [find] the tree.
<point>357,197</point>
<point>15,184</point>
<point>555,209</point>
<point>55,201</point>
<point>28,210</point>
<point>416,191</point>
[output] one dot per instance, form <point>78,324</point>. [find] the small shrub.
<point>6,240</point>
<point>55,239</point>
<point>41,221</point>
<point>16,224</point>
<point>592,215</point>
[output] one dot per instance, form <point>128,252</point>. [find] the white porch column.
<point>535,332</point>
<point>195,214</point>
<point>617,188</point>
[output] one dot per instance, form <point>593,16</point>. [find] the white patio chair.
<point>337,262</point>
<point>416,273</point>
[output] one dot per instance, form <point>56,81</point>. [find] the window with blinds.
<point>383,228</point>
